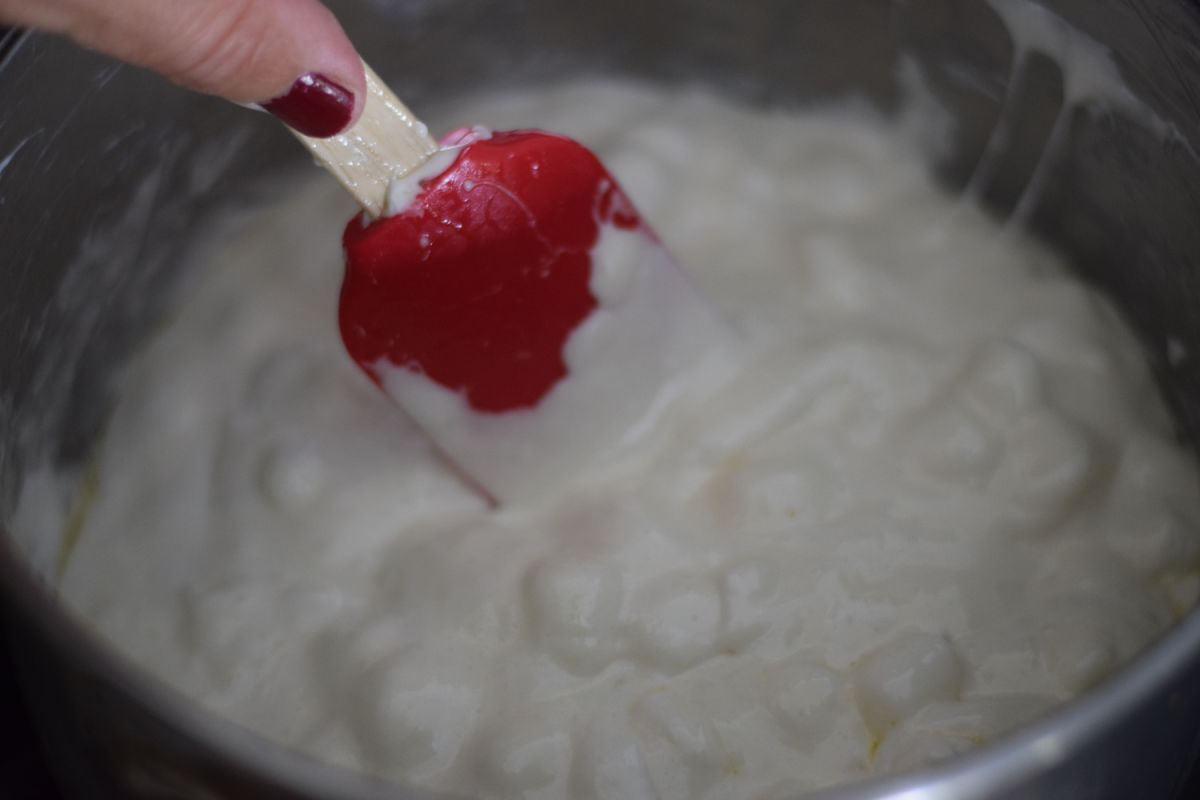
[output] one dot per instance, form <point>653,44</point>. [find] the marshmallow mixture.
<point>929,493</point>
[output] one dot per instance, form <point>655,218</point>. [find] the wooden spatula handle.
<point>387,142</point>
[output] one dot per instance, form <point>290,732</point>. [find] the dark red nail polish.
<point>315,105</point>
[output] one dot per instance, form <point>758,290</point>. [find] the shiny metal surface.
<point>106,173</point>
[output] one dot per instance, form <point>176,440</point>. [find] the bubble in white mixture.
<point>944,729</point>
<point>1155,540</point>
<point>573,606</point>
<point>1047,465</point>
<point>1001,384</point>
<point>903,676</point>
<point>678,621</point>
<point>521,754</point>
<point>952,445</point>
<point>807,699</point>
<point>748,591</point>
<point>608,765</point>
<point>411,721</point>
<point>683,752</point>
<point>291,481</point>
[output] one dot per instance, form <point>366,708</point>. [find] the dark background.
<point>24,774</point>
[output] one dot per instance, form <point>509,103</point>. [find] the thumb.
<point>290,56</point>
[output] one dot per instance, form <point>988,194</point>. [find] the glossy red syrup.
<point>481,280</point>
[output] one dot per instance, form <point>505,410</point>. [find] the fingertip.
<point>291,57</point>
<point>328,95</point>
<point>336,58</point>
<point>356,82</point>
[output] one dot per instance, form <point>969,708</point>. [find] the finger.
<point>291,56</point>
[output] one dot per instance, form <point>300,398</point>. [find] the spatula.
<point>504,291</point>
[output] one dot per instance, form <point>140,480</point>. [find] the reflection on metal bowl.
<point>103,192</point>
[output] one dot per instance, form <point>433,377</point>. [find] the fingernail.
<point>315,106</point>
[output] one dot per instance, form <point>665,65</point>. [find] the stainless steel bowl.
<point>106,173</point>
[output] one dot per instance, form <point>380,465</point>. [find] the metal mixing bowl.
<point>106,174</point>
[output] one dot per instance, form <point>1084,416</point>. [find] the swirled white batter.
<point>936,495</point>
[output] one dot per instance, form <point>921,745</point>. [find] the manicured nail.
<point>315,106</point>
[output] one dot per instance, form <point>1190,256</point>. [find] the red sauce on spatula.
<point>480,281</point>
<point>520,311</point>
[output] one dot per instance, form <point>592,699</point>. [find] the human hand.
<point>289,56</point>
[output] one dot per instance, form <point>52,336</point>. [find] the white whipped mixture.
<point>653,338</point>
<point>936,495</point>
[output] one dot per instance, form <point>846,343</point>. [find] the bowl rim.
<point>1054,738</point>
<point>983,772</point>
